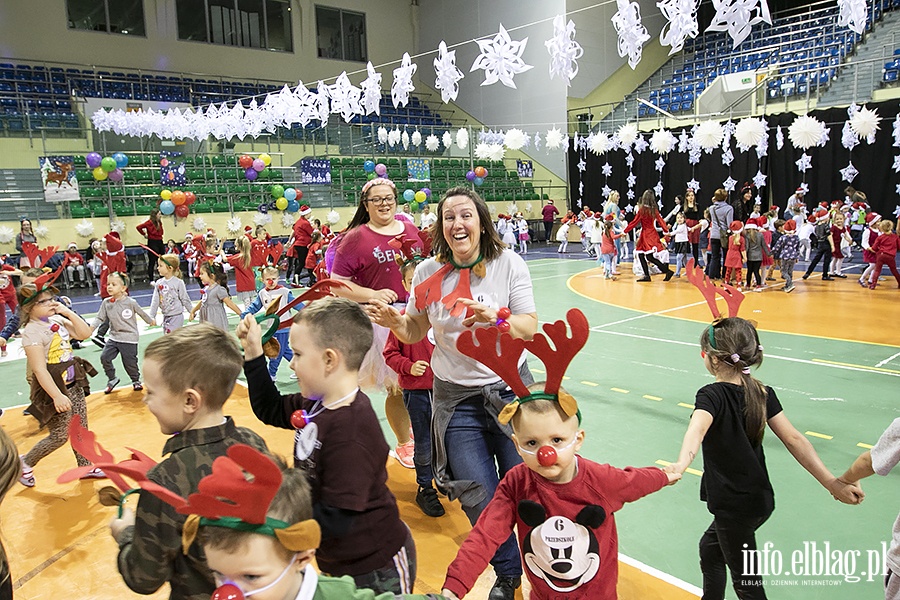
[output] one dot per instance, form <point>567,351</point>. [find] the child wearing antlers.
<point>560,504</point>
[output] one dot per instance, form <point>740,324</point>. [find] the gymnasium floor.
<point>832,354</point>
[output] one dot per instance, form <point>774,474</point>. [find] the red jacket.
<point>150,230</point>
<point>400,357</point>
<point>887,243</point>
<point>649,239</point>
<point>302,232</point>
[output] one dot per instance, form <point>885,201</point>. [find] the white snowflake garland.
<point>849,173</point>
<point>370,101</point>
<point>806,132</point>
<point>198,224</point>
<point>345,98</point>
<point>738,17</point>
<point>554,139</point>
<point>514,139</point>
<point>501,59</point>
<point>402,85</point>
<point>84,228</point>
<point>7,235</point>
<point>447,74</point>
<point>564,50</point>
<point>632,33</point>
<point>432,143</point>
<point>682,23</point>
<point>42,231</point>
<point>853,15</point>
<point>462,138</point>
<point>234,225</point>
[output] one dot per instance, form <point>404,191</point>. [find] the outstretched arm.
<point>693,437</point>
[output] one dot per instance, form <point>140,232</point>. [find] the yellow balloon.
<point>99,174</point>
<point>281,203</point>
<point>166,194</point>
<point>420,197</point>
<point>267,160</point>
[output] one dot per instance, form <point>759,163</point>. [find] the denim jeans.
<point>723,544</point>
<point>418,405</point>
<point>284,352</point>
<point>715,266</point>
<point>478,450</point>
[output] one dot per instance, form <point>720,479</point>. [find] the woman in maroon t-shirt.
<point>365,262</point>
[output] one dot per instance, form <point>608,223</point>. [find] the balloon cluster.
<point>477,175</point>
<point>254,166</point>
<point>416,199</point>
<point>286,198</point>
<point>372,170</point>
<point>107,167</point>
<point>177,202</point>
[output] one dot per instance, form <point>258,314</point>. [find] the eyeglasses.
<point>382,200</point>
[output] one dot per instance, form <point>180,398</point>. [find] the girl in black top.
<point>729,419</point>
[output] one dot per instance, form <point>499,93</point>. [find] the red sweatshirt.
<point>400,357</point>
<point>887,243</point>
<point>152,231</point>
<point>243,276</point>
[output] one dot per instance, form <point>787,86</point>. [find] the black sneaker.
<point>427,500</point>
<point>111,385</point>
<point>76,345</point>
<point>505,588</point>
<point>99,340</point>
<point>669,274</point>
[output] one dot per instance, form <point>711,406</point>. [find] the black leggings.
<point>158,247</point>
<point>722,546</point>
<point>753,271</point>
<point>644,257</point>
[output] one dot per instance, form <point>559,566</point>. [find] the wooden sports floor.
<point>832,354</point>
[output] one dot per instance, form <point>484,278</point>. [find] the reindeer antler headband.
<point>159,256</point>
<point>321,289</point>
<point>505,362</point>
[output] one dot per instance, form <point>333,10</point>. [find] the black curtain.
<point>873,161</point>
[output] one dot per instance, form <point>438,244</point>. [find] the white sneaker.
<point>27,477</point>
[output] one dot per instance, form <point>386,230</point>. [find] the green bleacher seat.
<point>79,210</point>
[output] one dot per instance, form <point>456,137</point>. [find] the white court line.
<point>650,314</point>
<point>551,276</point>
<point>671,579</point>
<point>887,360</point>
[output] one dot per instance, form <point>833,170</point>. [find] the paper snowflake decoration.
<point>41,230</point>
<point>198,224</point>
<point>117,225</point>
<point>684,141</point>
<point>462,138</point>
<point>404,139</point>
<point>514,139</point>
<point>393,137</point>
<point>234,225</point>
<point>601,143</point>
<point>897,164</point>
<point>564,50</point>
<point>662,141</point>
<point>630,194</point>
<point>848,137</point>
<point>897,131</point>
<point>694,154</point>
<point>727,157</point>
<point>382,135</point>
<point>333,217</point>
<point>554,139</point>
<point>728,184</point>
<point>501,59</point>
<point>416,138</point>
<point>606,169</point>
<point>632,33</point>
<point>627,135</point>
<point>582,166</point>
<point>447,75</point>
<point>640,144</point>
<point>738,17</point>
<point>865,123</point>
<point>287,220</point>
<point>806,132</point>
<point>804,163</point>
<point>709,135</point>
<point>85,228</point>
<point>852,14</point>
<point>763,147</point>
<point>759,180</point>
<point>658,189</point>
<point>605,190</point>
<point>693,184</point>
<point>447,139</point>
<point>779,138</point>
<point>262,219</point>
<point>537,141</point>
<point>432,143</point>
<point>496,152</point>
<point>629,160</point>
<point>849,173</point>
<point>749,132</point>
<point>7,235</point>
<point>482,151</point>
<point>580,188</point>
<point>631,179</point>
<point>345,98</point>
<point>660,164</point>
<point>403,84</point>
<point>897,209</point>
<point>370,100</point>
<point>805,187</point>
<point>682,23</point>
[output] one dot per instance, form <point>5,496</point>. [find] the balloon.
<point>371,176</point>
<point>267,160</point>
<point>290,194</point>
<point>178,198</point>
<point>470,175</point>
<point>182,211</point>
<point>264,207</point>
<point>277,191</point>
<point>166,194</point>
<point>108,164</point>
<point>251,174</point>
<point>100,174</point>
<point>409,195</point>
<point>478,181</point>
<point>420,196</point>
<point>258,165</point>
<point>413,206</point>
<point>121,159</point>
<point>369,166</point>
<point>281,203</point>
<point>427,192</point>
<point>166,207</point>
<point>293,206</point>
<point>116,175</point>
<point>93,160</point>
<point>265,173</point>
<point>164,162</point>
<point>245,161</point>
<point>299,194</point>
<point>380,169</point>
<point>480,172</point>
<point>189,198</point>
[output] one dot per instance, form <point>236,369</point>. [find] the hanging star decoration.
<point>727,157</point>
<point>684,141</point>
<point>629,159</point>
<point>660,164</point>
<point>849,173</point>
<point>606,169</point>
<point>852,14</point>
<point>897,209</point>
<point>631,179</point>
<point>805,187</point>
<point>630,194</point>
<point>897,164</point>
<point>729,184</point>
<point>537,141</point>
<point>629,208</point>
<point>606,191</point>
<point>682,23</point>
<point>658,188</point>
<point>501,59</point>
<point>805,163</point>
<point>763,147</point>
<point>640,144</point>
<point>447,74</point>
<point>693,184</point>
<point>402,85</point>
<point>345,98</point>
<point>371,91</point>
<point>738,17</point>
<point>779,138</point>
<point>564,50</point>
<point>897,131</point>
<point>582,165</point>
<point>759,180</point>
<point>632,33</point>
<point>581,188</point>
<point>848,137</point>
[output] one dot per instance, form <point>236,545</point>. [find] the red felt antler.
<point>275,252</point>
<point>321,289</point>
<point>732,296</point>
<point>404,246</point>
<point>425,236</point>
<point>504,363</point>
<point>557,359</point>
<point>462,290</point>
<point>430,290</point>
<point>38,257</point>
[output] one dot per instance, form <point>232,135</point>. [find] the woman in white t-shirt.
<point>473,280</point>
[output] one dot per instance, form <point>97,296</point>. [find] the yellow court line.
<point>866,446</point>
<point>620,390</point>
<point>819,435</point>
<point>590,383</point>
<point>684,405</point>
<point>537,371</point>
<point>566,377</point>
<point>866,367</point>
<point>666,463</point>
<point>654,398</point>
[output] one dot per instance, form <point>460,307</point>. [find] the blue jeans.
<point>285,352</point>
<point>478,450</point>
<point>418,405</point>
<point>608,264</point>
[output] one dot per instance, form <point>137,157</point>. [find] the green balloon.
<point>371,176</point>
<point>277,191</point>
<point>413,206</point>
<point>108,164</point>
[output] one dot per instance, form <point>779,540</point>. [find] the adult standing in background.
<point>26,234</point>
<point>428,218</point>
<point>548,213</point>
<point>302,238</point>
<point>721,214</point>
<point>692,216</point>
<point>152,230</point>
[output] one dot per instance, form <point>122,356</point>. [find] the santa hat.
<point>189,236</point>
<point>790,225</point>
<point>72,245</point>
<point>305,210</point>
<point>610,217</point>
<point>823,204</point>
<point>872,218</point>
<point>113,243</point>
<point>821,215</point>
<point>845,208</point>
<point>800,191</point>
<point>736,226</point>
<point>751,224</point>
<point>835,203</point>
<point>811,218</point>
<point>247,229</point>
<point>774,208</point>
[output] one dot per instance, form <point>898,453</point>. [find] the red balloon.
<point>480,172</point>
<point>503,313</point>
<point>190,198</point>
<point>546,456</point>
<point>245,161</point>
<point>182,211</point>
<point>299,420</point>
<point>299,195</point>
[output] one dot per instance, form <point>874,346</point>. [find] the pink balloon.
<point>258,165</point>
<point>116,175</point>
<point>380,169</point>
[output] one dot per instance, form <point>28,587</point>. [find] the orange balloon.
<point>178,198</point>
<point>480,171</point>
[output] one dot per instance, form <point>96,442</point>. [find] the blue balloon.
<point>293,206</point>
<point>478,181</point>
<point>290,194</point>
<point>121,159</point>
<point>369,166</point>
<point>166,207</point>
<point>409,195</point>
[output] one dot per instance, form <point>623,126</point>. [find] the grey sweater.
<point>121,315</point>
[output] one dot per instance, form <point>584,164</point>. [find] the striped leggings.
<point>59,430</point>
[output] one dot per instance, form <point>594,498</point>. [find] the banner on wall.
<point>172,171</point>
<point>58,177</point>
<point>315,171</point>
<point>418,169</point>
<point>525,168</point>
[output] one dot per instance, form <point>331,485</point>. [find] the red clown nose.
<point>299,420</point>
<point>229,591</point>
<point>546,456</point>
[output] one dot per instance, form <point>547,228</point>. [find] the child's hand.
<point>191,316</point>
<point>448,594</point>
<point>249,333</point>
<point>117,526</point>
<point>418,368</point>
<point>674,476</point>
<point>62,404</point>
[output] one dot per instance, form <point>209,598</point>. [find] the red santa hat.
<point>872,218</point>
<point>811,218</point>
<point>823,204</point>
<point>800,191</point>
<point>610,217</point>
<point>113,243</point>
<point>835,203</point>
<point>751,224</point>
<point>305,210</point>
<point>790,225</point>
<point>72,245</point>
<point>821,215</point>
<point>736,226</point>
<point>189,236</point>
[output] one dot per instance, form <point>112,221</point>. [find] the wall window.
<point>111,16</point>
<point>341,34</point>
<point>245,23</point>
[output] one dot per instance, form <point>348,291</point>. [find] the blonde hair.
<point>172,259</point>
<point>886,226</point>
<point>242,244</point>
